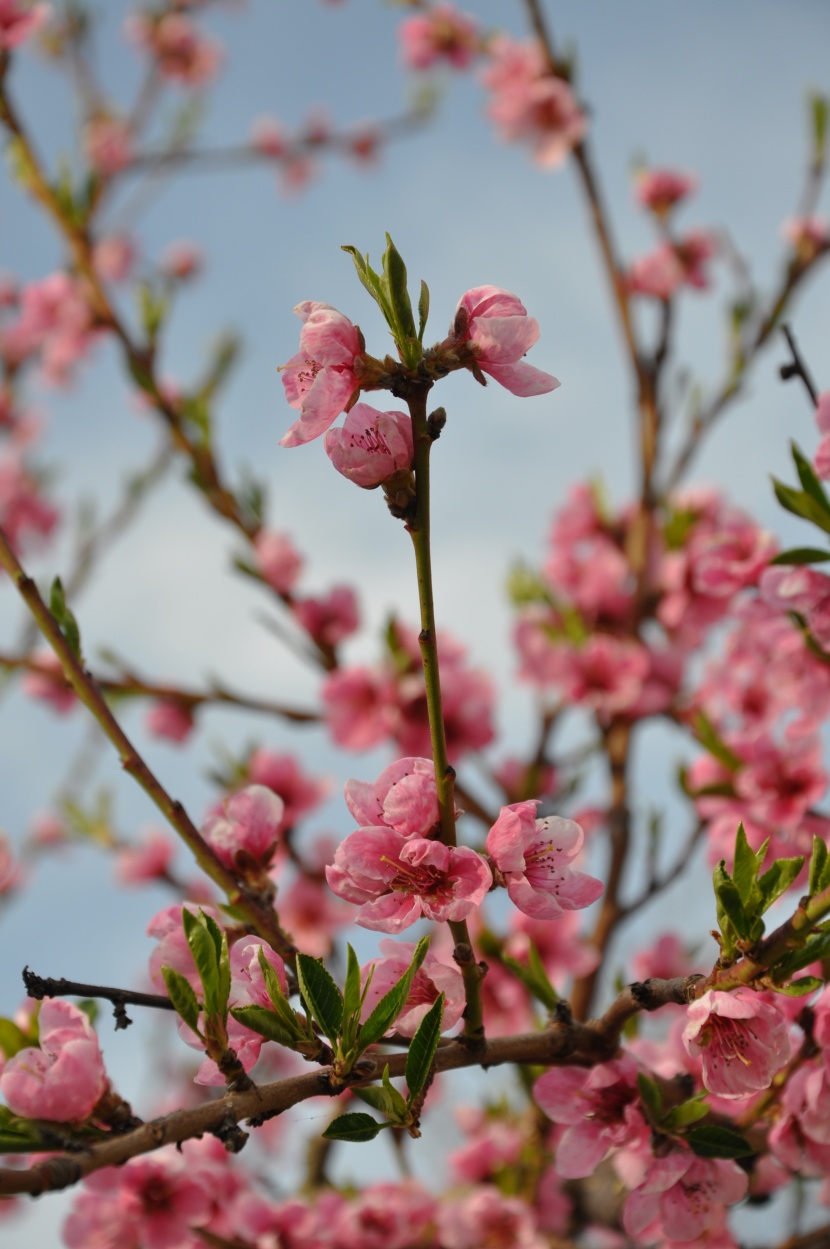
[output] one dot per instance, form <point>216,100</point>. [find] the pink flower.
<point>182,260</point>
<point>18,21</point>
<point>331,619</point>
<point>311,915</point>
<point>660,190</point>
<point>268,137</point>
<point>299,792</point>
<point>11,873</point>
<point>601,1111</point>
<point>384,1216</point>
<point>172,949</point>
<point>156,1200</point>
<point>149,860</point>
<point>442,33</point>
<point>183,54</point>
<point>499,332</point>
<point>113,257</point>
<point>433,977</point>
<point>485,1219</point>
<point>278,560</point>
<point>492,1143</point>
<point>686,1193</point>
<point>810,236</point>
<point>529,103</point>
<point>534,857</point>
<point>673,264</point>
<point>742,1040</point>
<point>244,830</point>
<point>396,881</point>
<point>108,145</point>
<point>320,379</point>
<point>48,682</point>
<point>403,798</point>
<point>171,719</point>
<point>26,515</point>
<point>371,446</point>
<point>358,705</point>
<point>65,1077</point>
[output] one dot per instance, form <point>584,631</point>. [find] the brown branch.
<point>798,366</point>
<point>252,909</point>
<point>133,686</point>
<point>564,1043</point>
<point>39,987</point>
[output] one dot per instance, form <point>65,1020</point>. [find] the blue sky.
<point>717,89</point>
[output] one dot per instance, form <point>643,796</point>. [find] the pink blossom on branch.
<point>396,882</point>
<point>18,21</point>
<point>404,798</point>
<point>529,103</point>
<point>686,1193</point>
<point>329,619</point>
<point>660,190</point>
<point>499,332</point>
<point>64,1078</point>
<point>320,380</point>
<point>171,719</point>
<point>432,978</point>
<point>278,560</point>
<point>439,34</point>
<point>371,446</point>
<point>534,858</point>
<point>244,829</point>
<point>742,1040</point>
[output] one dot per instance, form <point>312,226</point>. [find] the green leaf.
<point>376,1097</point>
<point>270,1025</point>
<point>353,1127</point>
<point>180,992</point>
<point>712,1141</point>
<point>819,108</point>
<point>651,1097</point>
<point>808,478</point>
<point>393,1002</point>
<point>423,310</point>
<point>802,555</point>
<point>684,1114</point>
<point>729,905</point>
<point>707,735</point>
<point>394,272</point>
<point>815,948</point>
<point>203,949</point>
<point>400,1107</point>
<point>801,504</point>
<point>12,1038</point>
<point>321,995</point>
<point>745,870</point>
<point>223,963</point>
<point>778,879</point>
<point>351,988</point>
<point>66,621</point>
<point>18,1136</point>
<point>371,281</point>
<point>800,988</point>
<point>422,1047</point>
<point>819,867</point>
<point>289,1021</point>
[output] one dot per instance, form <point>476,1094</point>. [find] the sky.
<point>716,89</point>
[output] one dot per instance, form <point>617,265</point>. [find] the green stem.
<point>419,530</point>
<point>259,916</point>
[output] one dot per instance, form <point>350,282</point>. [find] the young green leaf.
<point>729,905</point>
<point>713,1141</point>
<point>203,949</point>
<point>67,623</point>
<point>394,272</point>
<point>423,312</point>
<point>819,867</point>
<point>684,1114</point>
<point>354,1127</point>
<point>745,870</point>
<point>321,994</point>
<point>18,1136</point>
<point>180,992</point>
<point>778,879</point>
<point>351,987</point>
<point>808,479</point>
<point>393,1002</point>
<point>376,1097</point>
<point>815,948</point>
<point>12,1039</point>
<point>422,1047</point>
<point>801,504</point>
<point>223,962</point>
<point>802,555</point>
<point>708,737</point>
<point>270,1025</point>
<point>651,1097</point>
<point>799,988</point>
<point>400,1108</point>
